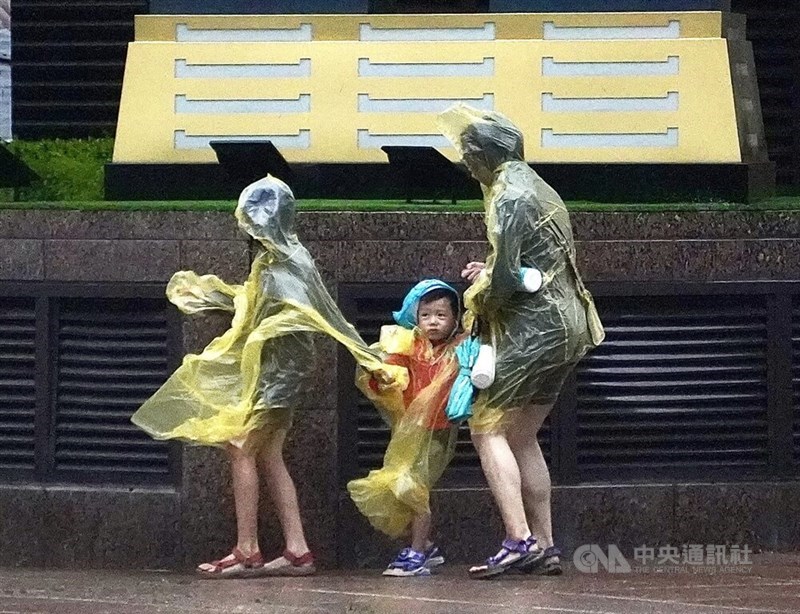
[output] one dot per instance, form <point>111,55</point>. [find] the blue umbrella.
<point>459,405</point>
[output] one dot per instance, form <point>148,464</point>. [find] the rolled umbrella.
<point>459,405</point>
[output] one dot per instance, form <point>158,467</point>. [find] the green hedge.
<point>70,169</point>
<point>71,172</point>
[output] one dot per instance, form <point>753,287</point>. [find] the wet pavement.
<point>770,585</point>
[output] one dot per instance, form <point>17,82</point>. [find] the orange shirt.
<point>424,364</point>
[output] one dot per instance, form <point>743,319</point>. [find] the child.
<point>395,498</point>
<point>241,391</point>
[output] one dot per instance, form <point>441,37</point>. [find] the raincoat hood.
<point>407,315</point>
<point>265,362</point>
<point>266,211</point>
<point>485,140</point>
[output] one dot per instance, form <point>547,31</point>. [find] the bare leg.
<point>283,493</point>
<point>534,473</point>
<point>245,496</point>
<point>503,475</point>
<point>421,532</point>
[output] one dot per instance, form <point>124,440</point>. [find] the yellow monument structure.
<point>646,88</point>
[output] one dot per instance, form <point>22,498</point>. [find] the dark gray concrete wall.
<point>65,525</point>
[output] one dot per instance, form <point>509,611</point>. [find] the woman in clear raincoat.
<point>540,326</point>
<point>240,392</point>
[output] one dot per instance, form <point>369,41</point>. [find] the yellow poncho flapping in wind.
<point>538,336</point>
<point>265,360</point>
<point>422,440</point>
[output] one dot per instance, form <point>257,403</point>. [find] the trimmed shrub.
<point>70,169</point>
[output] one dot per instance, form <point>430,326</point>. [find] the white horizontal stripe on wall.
<point>301,140</point>
<point>551,140</point>
<point>376,141</point>
<point>185,34</point>
<point>484,33</point>
<point>551,104</point>
<point>302,104</point>
<point>554,32</point>
<point>366,68</point>
<point>419,105</point>
<point>553,68</point>
<point>184,70</point>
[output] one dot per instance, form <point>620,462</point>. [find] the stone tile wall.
<point>63,525</point>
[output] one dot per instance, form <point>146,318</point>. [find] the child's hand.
<point>383,379</point>
<point>472,270</point>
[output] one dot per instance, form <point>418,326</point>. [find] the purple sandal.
<point>549,564</point>
<point>512,553</point>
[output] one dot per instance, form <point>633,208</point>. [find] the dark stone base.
<point>661,183</point>
<point>468,528</point>
<point>135,252</point>
<point>79,527</point>
<point>617,183</point>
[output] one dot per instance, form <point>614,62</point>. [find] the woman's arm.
<point>193,293</point>
<point>505,236</point>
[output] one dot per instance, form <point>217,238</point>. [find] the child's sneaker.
<point>433,557</point>
<point>408,563</point>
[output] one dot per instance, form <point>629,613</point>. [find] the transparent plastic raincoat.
<point>262,365</point>
<point>422,440</point>
<point>539,336</point>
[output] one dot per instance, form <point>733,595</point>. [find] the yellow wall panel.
<point>692,25</point>
<point>223,89</point>
<point>507,26</point>
<point>148,122</point>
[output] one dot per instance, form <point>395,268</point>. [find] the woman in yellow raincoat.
<point>240,392</point>
<point>532,306</point>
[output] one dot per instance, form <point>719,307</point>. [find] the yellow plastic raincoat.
<point>265,361</point>
<point>538,336</point>
<point>422,441</point>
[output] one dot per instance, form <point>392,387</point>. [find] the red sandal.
<point>289,564</point>
<point>235,565</point>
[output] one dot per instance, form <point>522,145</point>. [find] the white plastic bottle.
<point>531,279</point>
<point>483,369</point>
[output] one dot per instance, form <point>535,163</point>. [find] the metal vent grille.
<point>680,384</point>
<point>69,59</point>
<point>773,29</point>
<point>17,384</point>
<point>112,355</point>
<point>796,378</point>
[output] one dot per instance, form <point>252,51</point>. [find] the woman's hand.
<point>472,270</point>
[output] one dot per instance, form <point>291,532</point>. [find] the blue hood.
<point>407,316</point>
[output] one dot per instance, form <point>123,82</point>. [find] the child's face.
<point>436,319</point>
